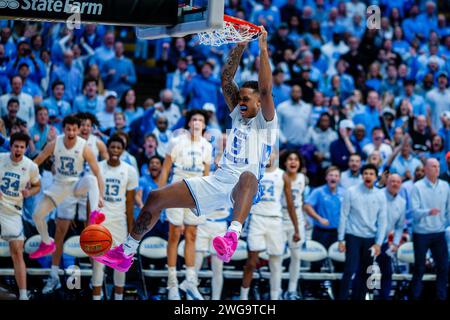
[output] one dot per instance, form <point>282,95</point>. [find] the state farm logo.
<point>66,6</point>
<point>12,4</point>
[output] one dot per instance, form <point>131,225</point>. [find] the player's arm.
<point>102,150</point>
<point>32,190</point>
<point>93,164</point>
<point>229,87</point>
<point>265,79</point>
<point>207,169</point>
<point>290,206</point>
<point>138,198</point>
<point>47,152</point>
<point>130,209</point>
<point>167,165</point>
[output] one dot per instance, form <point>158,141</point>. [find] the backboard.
<point>114,12</point>
<point>194,16</point>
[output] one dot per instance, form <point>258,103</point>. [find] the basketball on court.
<point>95,240</point>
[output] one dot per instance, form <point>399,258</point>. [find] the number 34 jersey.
<point>118,180</point>
<point>14,178</point>
<point>272,185</point>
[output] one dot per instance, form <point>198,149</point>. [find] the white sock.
<point>244,293</point>
<point>217,278</point>
<point>275,265</point>
<point>23,294</point>
<point>235,226</point>
<point>130,246</point>
<point>191,275</point>
<point>54,273</point>
<point>97,297</point>
<point>172,276</point>
<point>118,296</point>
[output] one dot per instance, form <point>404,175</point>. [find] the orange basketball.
<point>95,240</point>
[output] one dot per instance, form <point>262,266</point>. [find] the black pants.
<point>326,237</point>
<point>357,259</point>
<point>385,263</point>
<point>437,243</point>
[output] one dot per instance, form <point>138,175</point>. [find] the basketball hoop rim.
<point>238,21</point>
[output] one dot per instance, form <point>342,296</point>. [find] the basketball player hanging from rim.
<point>236,182</point>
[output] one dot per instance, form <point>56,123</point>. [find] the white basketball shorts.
<point>266,233</point>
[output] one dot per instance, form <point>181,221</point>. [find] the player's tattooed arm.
<point>45,154</point>
<point>229,87</point>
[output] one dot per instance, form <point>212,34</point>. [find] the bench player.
<point>70,152</point>
<point>19,180</point>
<point>120,180</point>
<point>266,228</point>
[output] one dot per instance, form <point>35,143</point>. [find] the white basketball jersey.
<point>118,180</point>
<point>298,187</point>
<point>189,157</point>
<point>273,186</point>
<point>249,145</point>
<point>91,142</point>
<point>14,177</point>
<point>69,163</point>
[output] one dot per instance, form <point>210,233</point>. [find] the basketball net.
<point>235,30</point>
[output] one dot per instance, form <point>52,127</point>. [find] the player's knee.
<point>250,265</point>
<point>16,252</point>
<point>175,233</point>
<point>190,234</point>
<point>248,181</point>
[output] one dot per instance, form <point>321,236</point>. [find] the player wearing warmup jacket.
<point>291,162</point>
<point>236,182</point>
<point>19,180</point>
<point>190,155</point>
<point>120,180</point>
<point>70,152</point>
<point>72,205</point>
<point>266,228</point>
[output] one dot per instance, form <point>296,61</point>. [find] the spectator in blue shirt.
<point>29,86</point>
<point>280,91</point>
<point>203,88</point>
<point>69,75</point>
<point>343,147</point>
<point>430,203</point>
<point>8,42</point>
<point>417,101</point>
<point>362,225</point>
<point>90,101</point>
<point>57,107</point>
<point>24,55</point>
<point>370,118</point>
<point>324,205</point>
<point>268,16</point>
<point>412,26</point>
<point>39,131</point>
<point>105,52</point>
<point>404,164</point>
<point>428,19</point>
<point>119,73</point>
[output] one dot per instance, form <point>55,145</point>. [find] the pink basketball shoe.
<point>43,250</point>
<point>116,259</point>
<point>226,245</point>
<point>96,217</point>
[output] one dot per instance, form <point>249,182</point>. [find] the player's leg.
<point>217,278</point>
<point>88,185</point>
<point>275,265</point>
<point>249,268</point>
<point>190,234</point>
<point>243,194</point>
<point>47,245</point>
<point>119,284</point>
<point>98,274</point>
<point>20,271</point>
<point>172,254</point>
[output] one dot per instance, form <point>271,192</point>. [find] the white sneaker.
<point>173,293</point>
<point>291,295</point>
<point>191,290</point>
<point>51,285</point>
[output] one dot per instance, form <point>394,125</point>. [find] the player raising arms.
<point>16,173</point>
<point>121,180</point>
<point>236,183</point>
<point>70,152</point>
